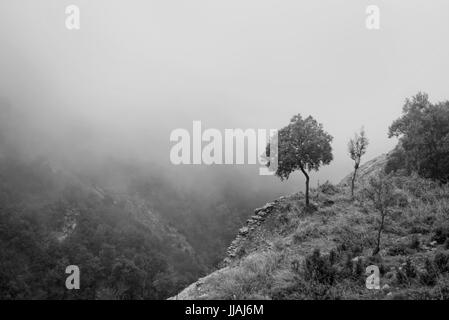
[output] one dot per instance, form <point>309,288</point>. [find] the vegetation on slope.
<point>50,220</point>
<point>397,222</point>
<point>299,254</point>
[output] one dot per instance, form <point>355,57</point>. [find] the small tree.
<point>380,191</point>
<point>357,148</point>
<point>302,145</point>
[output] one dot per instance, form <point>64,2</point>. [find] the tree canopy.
<point>423,132</point>
<point>302,145</point>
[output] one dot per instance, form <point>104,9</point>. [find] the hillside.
<point>288,252</point>
<point>51,218</point>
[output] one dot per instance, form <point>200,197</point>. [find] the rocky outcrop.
<point>252,224</point>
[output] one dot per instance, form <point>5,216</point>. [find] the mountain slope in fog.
<point>50,218</point>
<point>206,204</point>
<point>289,252</point>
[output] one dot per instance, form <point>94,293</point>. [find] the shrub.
<point>333,257</point>
<point>409,269</point>
<point>418,228</point>
<point>441,233</point>
<point>414,243</point>
<point>442,289</point>
<point>306,231</point>
<point>351,240</point>
<point>328,188</point>
<point>441,261</point>
<point>401,277</point>
<point>359,269</point>
<point>348,265</point>
<point>317,268</point>
<point>396,160</point>
<point>401,199</point>
<point>398,250</point>
<point>429,276</point>
<point>419,187</point>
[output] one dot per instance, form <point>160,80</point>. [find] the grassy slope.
<point>270,261</point>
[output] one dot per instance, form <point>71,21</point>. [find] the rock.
<point>433,243</point>
<point>243,230</point>
<point>262,214</point>
<point>199,283</point>
<point>385,287</point>
<point>268,207</point>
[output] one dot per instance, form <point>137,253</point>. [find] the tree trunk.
<point>353,180</point>
<point>376,251</point>
<point>307,185</point>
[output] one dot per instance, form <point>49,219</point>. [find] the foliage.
<point>423,130</point>
<point>318,268</point>
<point>415,243</point>
<point>305,271</point>
<point>328,188</point>
<point>441,233</point>
<point>357,148</point>
<point>301,145</point>
<point>397,161</point>
<point>441,261</point>
<point>48,223</point>
<point>409,269</point>
<point>429,276</point>
<point>380,191</point>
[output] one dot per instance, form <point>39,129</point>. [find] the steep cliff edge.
<point>286,251</point>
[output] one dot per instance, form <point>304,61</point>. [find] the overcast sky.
<point>136,70</point>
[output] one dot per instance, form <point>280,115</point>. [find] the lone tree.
<point>302,145</point>
<point>357,148</point>
<point>380,191</point>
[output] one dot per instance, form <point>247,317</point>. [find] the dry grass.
<point>273,264</point>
